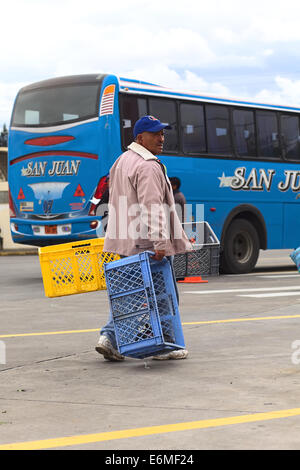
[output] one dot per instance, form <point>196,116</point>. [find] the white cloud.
<point>188,81</point>
<point>173,43</point>
<point>287,92</point>
<point>268,52</point>
<point>227,36</point>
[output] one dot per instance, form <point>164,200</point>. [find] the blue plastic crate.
<point>295,256</point>
<point>144,306</point>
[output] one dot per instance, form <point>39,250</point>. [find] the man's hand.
<point>159,255</point>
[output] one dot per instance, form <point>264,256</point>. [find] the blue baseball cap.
<point>149,124</point>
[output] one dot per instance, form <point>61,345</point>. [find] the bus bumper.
<point>43,233</point>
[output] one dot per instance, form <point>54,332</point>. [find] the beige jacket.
<point>142,214</point>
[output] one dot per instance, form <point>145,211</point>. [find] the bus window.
<point>165,111</point>
<point>75,102</point>
<point>218,130</point>
<point>192,128</point>
<point>267,127</point>
<point>290,136</point>
<point>131,109</point>
<point>244,133</point>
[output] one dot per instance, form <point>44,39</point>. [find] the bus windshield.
<point>54,105</point>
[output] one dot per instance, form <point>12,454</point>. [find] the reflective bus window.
<point>244,132</point>
<point>32,117</point>
<point>267,129</point>
<point>218,130</point>
<point>192,128</point>
<point>73,102</point>
<point>165,111</point>
<point>290,136</point>
<point>131,109</point>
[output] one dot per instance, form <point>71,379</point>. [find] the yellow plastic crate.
<point>74,268</point>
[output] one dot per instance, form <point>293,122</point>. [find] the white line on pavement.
<point>230,291</point>
<point>274,294</point>
<point>277,276</point>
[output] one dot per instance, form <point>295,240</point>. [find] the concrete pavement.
<point>239,388</point>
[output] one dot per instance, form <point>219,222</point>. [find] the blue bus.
<point>239,159</point>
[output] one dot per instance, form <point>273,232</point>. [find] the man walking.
<point>142,215</point>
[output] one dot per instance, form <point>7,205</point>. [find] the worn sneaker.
<point>177,354</point>
<point>105,348</point>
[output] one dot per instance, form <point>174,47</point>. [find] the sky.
<point>227,48</point>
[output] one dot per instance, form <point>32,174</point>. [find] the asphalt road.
<point>238,389</point>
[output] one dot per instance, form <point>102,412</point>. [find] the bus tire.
<point>240,248</point>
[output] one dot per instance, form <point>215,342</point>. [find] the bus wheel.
<point>240,248</point>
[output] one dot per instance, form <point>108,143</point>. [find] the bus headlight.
<point>66,228</point>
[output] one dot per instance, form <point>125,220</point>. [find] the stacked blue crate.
<point>144,306</point>
<point>295,256</point>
